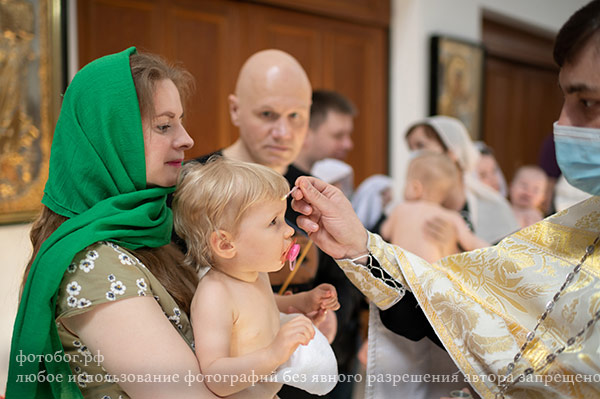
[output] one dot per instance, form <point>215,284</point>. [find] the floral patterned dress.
<point>105,272</point>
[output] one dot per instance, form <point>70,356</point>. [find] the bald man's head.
<point>271,107</point>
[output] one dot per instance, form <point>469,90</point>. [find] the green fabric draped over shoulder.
<point>98,180</point>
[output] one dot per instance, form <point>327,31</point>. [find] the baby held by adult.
<point>231,215</point>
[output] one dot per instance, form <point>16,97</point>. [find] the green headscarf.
<point>98,180</point>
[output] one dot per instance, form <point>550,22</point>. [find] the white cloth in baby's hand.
<point>311,367</point>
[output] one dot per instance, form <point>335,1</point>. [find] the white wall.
<point>413,23</point>
<point>14,254</point>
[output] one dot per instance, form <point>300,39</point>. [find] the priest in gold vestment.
<point>519,319</point>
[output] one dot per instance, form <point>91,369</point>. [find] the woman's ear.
<point>222,244</point>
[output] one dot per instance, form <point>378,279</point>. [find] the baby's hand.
<point>323,297</point>
<point>298,331</point>
<point>318,301</point>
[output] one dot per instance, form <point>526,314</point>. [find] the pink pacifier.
<point>293,254</point>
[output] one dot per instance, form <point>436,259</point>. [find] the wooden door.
<point>343,49</point>
<point>522,97</point>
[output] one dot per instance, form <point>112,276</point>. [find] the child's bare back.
<point>414,239</point>
<point>430,179</point>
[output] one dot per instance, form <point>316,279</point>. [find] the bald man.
<point>271,108</point>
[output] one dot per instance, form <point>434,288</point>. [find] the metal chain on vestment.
<point>506,384</point>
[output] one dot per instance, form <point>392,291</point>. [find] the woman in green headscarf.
<point>105,296</point>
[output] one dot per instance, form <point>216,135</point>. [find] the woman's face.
<point>165,138</point>
<point>418,139</point>
<point>487,170</point>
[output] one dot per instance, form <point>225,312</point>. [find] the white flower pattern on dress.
<point>141,284</point>
<point>93,255</point>
<point>110,296</point>
<point>111,277</point>
<point>125,259</point>
<point>73,288</point>
<point>176,318</point>
<point>72,267</point>
<point>118,287</point>
<point>83,303</point>
<point>86,265</point>
<point>71,301</point>
<point>85,352</point>
<point>82,379</point>
<point>143,287</point>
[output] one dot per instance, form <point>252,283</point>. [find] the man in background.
<point>330,129</point>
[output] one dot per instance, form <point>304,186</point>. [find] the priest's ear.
<point>221,243</point>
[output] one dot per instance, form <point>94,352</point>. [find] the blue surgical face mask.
<point>578,156</point>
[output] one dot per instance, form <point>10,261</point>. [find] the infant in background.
<point>429,180</point>
<point>527,193</point>
<point>231,215</point>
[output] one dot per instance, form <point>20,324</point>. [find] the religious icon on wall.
<point>457,81</point>
<point>27,104</point>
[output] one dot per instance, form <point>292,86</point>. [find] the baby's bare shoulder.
<point>212,284</point>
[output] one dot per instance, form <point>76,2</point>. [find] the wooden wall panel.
<point>212,38</point>
<point>202,38</point>
<point>109,26</point>
<point>284,30</point>
<point>522,103</point>
<point>374,12</point>
<point>522,98</point>
<point>366,85</point>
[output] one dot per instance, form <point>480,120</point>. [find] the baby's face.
<point>263,237</point>
<point>528,189</point>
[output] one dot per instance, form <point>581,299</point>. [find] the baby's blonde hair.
<point>434,170</point>
<point>215,196</point>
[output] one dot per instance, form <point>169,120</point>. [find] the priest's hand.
<point>329,219</point>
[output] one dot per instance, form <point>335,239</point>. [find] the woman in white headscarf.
<point>336,173</point>
<point>370,199</point>
<point>489,213</point>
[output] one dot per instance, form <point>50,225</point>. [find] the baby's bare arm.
<point>213,315</point>
<point>466,238</point>
<point>322,297</point>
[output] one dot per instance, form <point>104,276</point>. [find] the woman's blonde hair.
<point>216,196</point>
